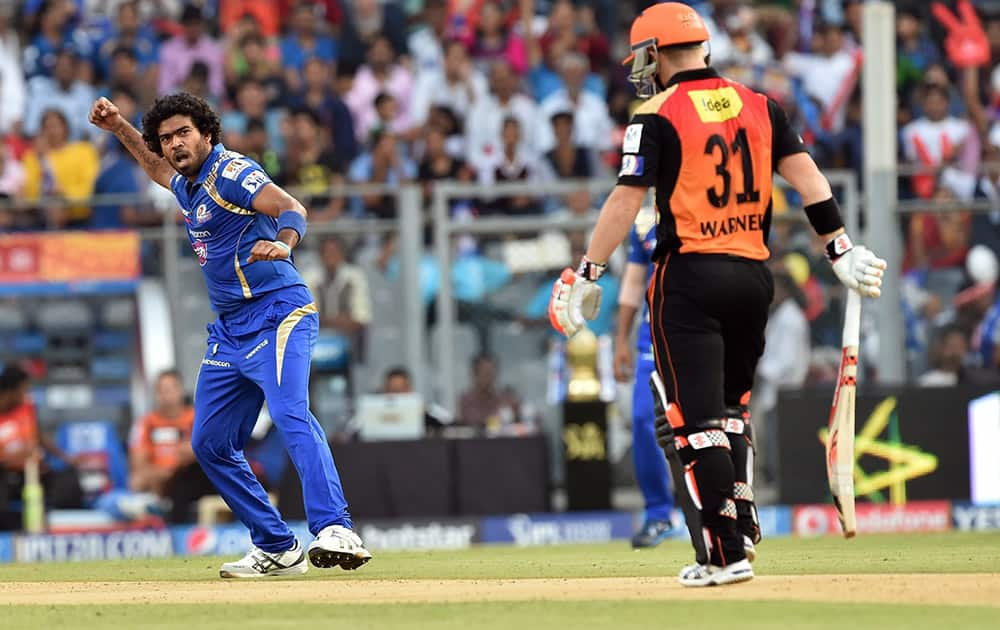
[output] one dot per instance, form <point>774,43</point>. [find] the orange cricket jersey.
<point>157,437</point>
<point>710,147</point>
<point>18,428</point>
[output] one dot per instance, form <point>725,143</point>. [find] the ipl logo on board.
<point>201,541</point>
<point>201,249</point>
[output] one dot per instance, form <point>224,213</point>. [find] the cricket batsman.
<point>650,466</point>
<point>710,147</point>
<point>243,229</point>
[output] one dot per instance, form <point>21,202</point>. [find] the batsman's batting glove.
<point>576,297</point>
<point>857,268</point>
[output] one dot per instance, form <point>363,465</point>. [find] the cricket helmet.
<point>660,26</point>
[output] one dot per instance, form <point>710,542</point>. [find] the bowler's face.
<point>183,146</point>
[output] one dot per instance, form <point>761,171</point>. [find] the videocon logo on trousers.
<point>904,461</point>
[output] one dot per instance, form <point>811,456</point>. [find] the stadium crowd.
<point>326,92</point>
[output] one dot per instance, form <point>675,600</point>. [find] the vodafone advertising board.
<point>874,518</point>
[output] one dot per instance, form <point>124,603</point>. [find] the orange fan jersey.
<point>710,147</point>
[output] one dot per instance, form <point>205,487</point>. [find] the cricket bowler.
<point>243,229</point>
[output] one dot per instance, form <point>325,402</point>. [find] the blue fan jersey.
<point>223,227</point>
<point>642,242</point>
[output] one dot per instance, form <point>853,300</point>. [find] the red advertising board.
<point>874,518</point>
<point>67,258</point>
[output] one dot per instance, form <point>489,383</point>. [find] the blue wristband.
<point>293,221</point>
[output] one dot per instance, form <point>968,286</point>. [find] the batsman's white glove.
<point>576,297</point>
<point>857,268</point>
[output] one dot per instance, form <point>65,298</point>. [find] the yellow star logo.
<point>905,461</point>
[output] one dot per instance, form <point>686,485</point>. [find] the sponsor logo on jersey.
<point>633,138</point>
<point>257,349</point>
<point>234,168</point>
<point>254,180</point>
<point>632,165</point>
<point>715,106</point>
<point>203,214</point>
<point>216,363</point>
<point>200,233</point>
<point>200,250</point>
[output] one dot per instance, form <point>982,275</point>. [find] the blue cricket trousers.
<point>647,456</point>
<point>265,356</point>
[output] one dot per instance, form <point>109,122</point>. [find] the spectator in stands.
<point>161,460</point>
<point>179,55</point>
<point>437,164</point>
<point>513,163</point>
<point>915,49</point>
<point>494,40</point>
<point>317,94</point>
<point>934,139</point>
<point>251,103</point>
<point>384,163</point>
<point>20,441</point>
<point>747,47</point>
<point>313,167</point>
<point>196,83</point>
<point>947,358</point>
<point>11,176</point>
<point>257,147</point>
<point>139,39</point>
<point>426,44</point>
<point>459,85</point>
<point>485,123</point>
<point>592,125</point>
<point>938,240</point>
<point>380,74</point>
<point>828,74</point>
<point>60,168</point>
<point>50,32</point>
<point>784,364</point>
<point>63,92</point>
<point>250,58</point>
<point>305,40</point>
<point>568,160</point>
<point>485,405</point>
<point>397,380</point>
<point>123,72</point>
<point>367,22</point>
<point>11,74</point>
<point>544,77</point>
<point>342,295</point>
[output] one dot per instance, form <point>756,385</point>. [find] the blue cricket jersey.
<point>223,227</point>
<point>642,242</point>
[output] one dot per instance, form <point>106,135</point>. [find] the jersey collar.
<point>209,162</point>
<point>693,75</point>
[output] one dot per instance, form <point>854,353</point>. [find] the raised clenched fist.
<point>104,114</point>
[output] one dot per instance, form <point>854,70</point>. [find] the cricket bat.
<point>840,440</point>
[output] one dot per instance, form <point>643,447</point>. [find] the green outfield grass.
<point>951,553</point>
<point>913,553</point>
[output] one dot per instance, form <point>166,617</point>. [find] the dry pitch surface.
<point>908,582</point>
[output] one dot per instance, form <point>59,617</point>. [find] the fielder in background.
<point>650,465</point>
<point>711,289</point>
<point>243,228</point>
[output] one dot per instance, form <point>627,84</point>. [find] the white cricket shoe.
<point>749,548</point>
<point>337,546</point>
<point>259,563</point>
<point>711,575</point>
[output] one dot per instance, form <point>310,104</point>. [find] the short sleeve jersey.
<point>157,437</point>
<point>710,147</point>
<point>641,243</point>
<point>223,227</point>
<point>18,429</point>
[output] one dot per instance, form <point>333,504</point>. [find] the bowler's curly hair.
<point>183,104</point>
